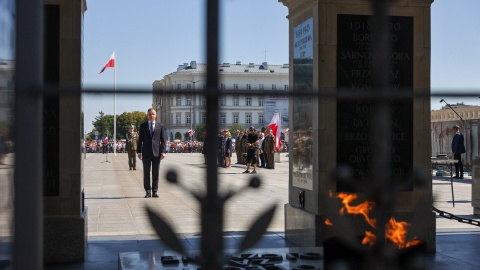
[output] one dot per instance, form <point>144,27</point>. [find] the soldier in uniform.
<point>269,146</point>
<point>132,147</point>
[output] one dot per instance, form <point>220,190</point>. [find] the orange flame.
<point>369,238</point>
<point>397,232</point>
<point>361,209</point>
<point>328,222</point>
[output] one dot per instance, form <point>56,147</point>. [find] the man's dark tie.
<point>151,128</point>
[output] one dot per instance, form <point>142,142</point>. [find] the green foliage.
<point>103,122</point>
<point>129,118</point>
<point>199,130</point>
<point>100,124</point>
<point>236,127</point>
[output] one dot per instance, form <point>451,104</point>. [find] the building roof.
<point>234,68</point>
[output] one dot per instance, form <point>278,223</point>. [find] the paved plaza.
<point>117,220</point>
<point>114,196</point>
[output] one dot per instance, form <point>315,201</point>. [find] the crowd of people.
<point>227,145</point>
<point>177,146</point>
<point>253,149</point>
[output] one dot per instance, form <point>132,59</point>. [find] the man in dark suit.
<point>458,148</point>
<point>151,149</point>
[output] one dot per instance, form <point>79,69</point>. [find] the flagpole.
<point>115,105</point>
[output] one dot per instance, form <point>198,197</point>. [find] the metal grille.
<point>29,210</point>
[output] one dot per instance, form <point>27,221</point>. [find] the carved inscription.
<point>51,104</point>
<point>302,124</point>
<point>354,118</point>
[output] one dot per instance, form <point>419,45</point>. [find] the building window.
<point>248,101</point>
<point>223,101</point>
<point>274,87</point>
<point>222,86</point>
<point>189,100</point>
<point>204,101</point>
<point>249,86</point>
<point>235,86</point>
<point>178,119</point>
<point>236,100</point>
<point>285,87</point>
<point>189,86</point>
<point>260,118</point>
<point>235,118</point>
<point>179,86</point>
<point>260,101</point>
<point>179,101</point>
<point>261,86</point>
<point>248,118</point>
<point>188,118</point>
<point>223,118</point>
<point>204,117</point>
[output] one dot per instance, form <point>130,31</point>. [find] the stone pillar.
<point>476,186</point>
<point>65,218</point>
<point>330,49</point>
<point>474,139</point>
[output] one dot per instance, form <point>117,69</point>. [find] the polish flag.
<point>275,126</point>
<point>110,63</point>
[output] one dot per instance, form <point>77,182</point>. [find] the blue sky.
<point>152,37</point>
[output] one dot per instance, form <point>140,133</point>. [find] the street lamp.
<point>192,109</point>
<point>443,100</point>
<point>461,120</point>
<point>191,122</point>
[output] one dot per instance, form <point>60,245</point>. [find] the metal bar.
<point>28,212</point>
<point>212,205</point>
<point>451,183</point>
<point>381,132</point>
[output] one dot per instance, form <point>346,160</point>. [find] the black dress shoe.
<point>148,194</point>
<point>155,194</point>
<point>134,169</point>
<point>130,168</point>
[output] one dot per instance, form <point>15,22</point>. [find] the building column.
<point>330,49</point>
<point>65,218</point>
<point>474,139</point>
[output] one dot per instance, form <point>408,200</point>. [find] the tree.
<point>236,127</point>
<point>199,129</point>
<point>104,122</point>
<point>129,118</point>
<point>100,123</point>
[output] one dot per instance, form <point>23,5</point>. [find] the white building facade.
<point>182,112</point>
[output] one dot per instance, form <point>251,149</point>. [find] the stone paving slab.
<point>113,192</point>
<point>114,195</point>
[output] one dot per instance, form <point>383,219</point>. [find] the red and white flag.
<point>110,63</point>
<point>275,127</point>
